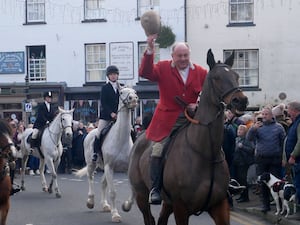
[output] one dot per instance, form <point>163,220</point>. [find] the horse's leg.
<point>108,172</point>
<point>165,213</point>
<point>221,213</point>
<point>24,163</point>
<point>90,175</point>
<point>5,204</point>
<point>180,213</point>
<point>3,214</point>
<point>144,206</point>
<point>126,206</point>
<point>51,168</point>
<point>55,166</point>
<point>42,175</point>
<point>103,195</point>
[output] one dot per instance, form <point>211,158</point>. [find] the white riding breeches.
<point>101,125</point>
<point>35,133</point>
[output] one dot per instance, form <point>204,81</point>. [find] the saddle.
<point>99,141</point>
<point>36,143</point>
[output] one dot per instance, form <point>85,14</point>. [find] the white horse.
<point>115,150</point>
<point>50,149</point>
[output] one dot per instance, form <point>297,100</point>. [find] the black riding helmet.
<point>112,69</point>
<point>48,94</point>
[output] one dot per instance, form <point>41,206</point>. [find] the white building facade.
<point>65,46</point>
<point>265,35</point>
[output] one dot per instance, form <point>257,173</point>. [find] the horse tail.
<point>82,172</point>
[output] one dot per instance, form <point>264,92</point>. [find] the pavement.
<point>254,205</point>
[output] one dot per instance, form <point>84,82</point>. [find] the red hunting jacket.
<point>170,84</point>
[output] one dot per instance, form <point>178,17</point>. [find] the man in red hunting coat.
<point>176,77</point>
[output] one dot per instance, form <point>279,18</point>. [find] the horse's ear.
<point>210,59</point>
<point>119,86</point>
<point>229,61</point>
<point>60,109</point>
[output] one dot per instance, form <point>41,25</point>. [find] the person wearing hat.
<point>175,77</point>
<point>109,104</point>
<point>45,114</point>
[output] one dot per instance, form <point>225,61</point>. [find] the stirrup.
<point>154,197</point>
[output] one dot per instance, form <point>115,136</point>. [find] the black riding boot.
<point>97,145</point>
<point>155,173</point>
<point>34,143</point>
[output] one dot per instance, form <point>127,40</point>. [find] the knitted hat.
<point>112,69</point>
<point>278,110</point>
<point>150,21</point>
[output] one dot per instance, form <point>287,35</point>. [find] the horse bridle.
<point>62,126</point>
<point>222,103</point>
<point>125,101</point>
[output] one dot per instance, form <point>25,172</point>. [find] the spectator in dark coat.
<point>77,146</point>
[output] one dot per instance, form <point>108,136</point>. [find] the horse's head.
<point>128,98</point>
<point>66,118</point>
<point>7,147</point>
<point>223,81</point>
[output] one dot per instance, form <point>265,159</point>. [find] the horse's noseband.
<point>127,100</point>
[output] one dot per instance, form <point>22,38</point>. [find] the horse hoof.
<point>23,188</point>
<point>50,191</point>
<point>116,218</point>
<point>45,189</point>
<point>126,206</point>
<point>106,208</point>
<point>58,195</point>
<point>90,205</point>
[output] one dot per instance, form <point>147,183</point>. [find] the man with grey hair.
<point>269,138</point>
<point>292,149</point>
<point>176,77</point>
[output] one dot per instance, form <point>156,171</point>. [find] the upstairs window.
<point>246,65</point>
<point>94,9</point>
<point>35,11</point>
<point>145,5</point>
<point>95,57</point>
<point>36,63</point>
<point>241,12</point>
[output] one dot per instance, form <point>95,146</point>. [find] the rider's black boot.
<point>97,146</point>
<point>155,173</point>
<point>34,143</point>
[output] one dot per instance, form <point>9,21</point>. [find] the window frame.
<point>102,62</point>
<point>145,5</point>
<point>36,67</point>
<point>37,7</point>
<point>239,9</point>
<point>90,16</point>
<point>246,64</point>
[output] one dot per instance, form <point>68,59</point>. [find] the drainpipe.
<point>185,22</point>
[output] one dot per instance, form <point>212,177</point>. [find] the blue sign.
<point>12,62</point>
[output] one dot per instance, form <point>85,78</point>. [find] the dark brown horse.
<point>7,149</point>
<point>195,177</point>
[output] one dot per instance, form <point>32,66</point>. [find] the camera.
<point>259,119</point>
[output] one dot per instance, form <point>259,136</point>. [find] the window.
<point>246,65</point>
<point>241,11</point>
<point>36,63</point>
<point>94,9</point>
<point>85,110</point>
<point>35,11</point>
<point>142,49</point>
<point>145,5</point>
<point>95,55</point>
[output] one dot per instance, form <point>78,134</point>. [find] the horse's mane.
<point>5,127</point>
